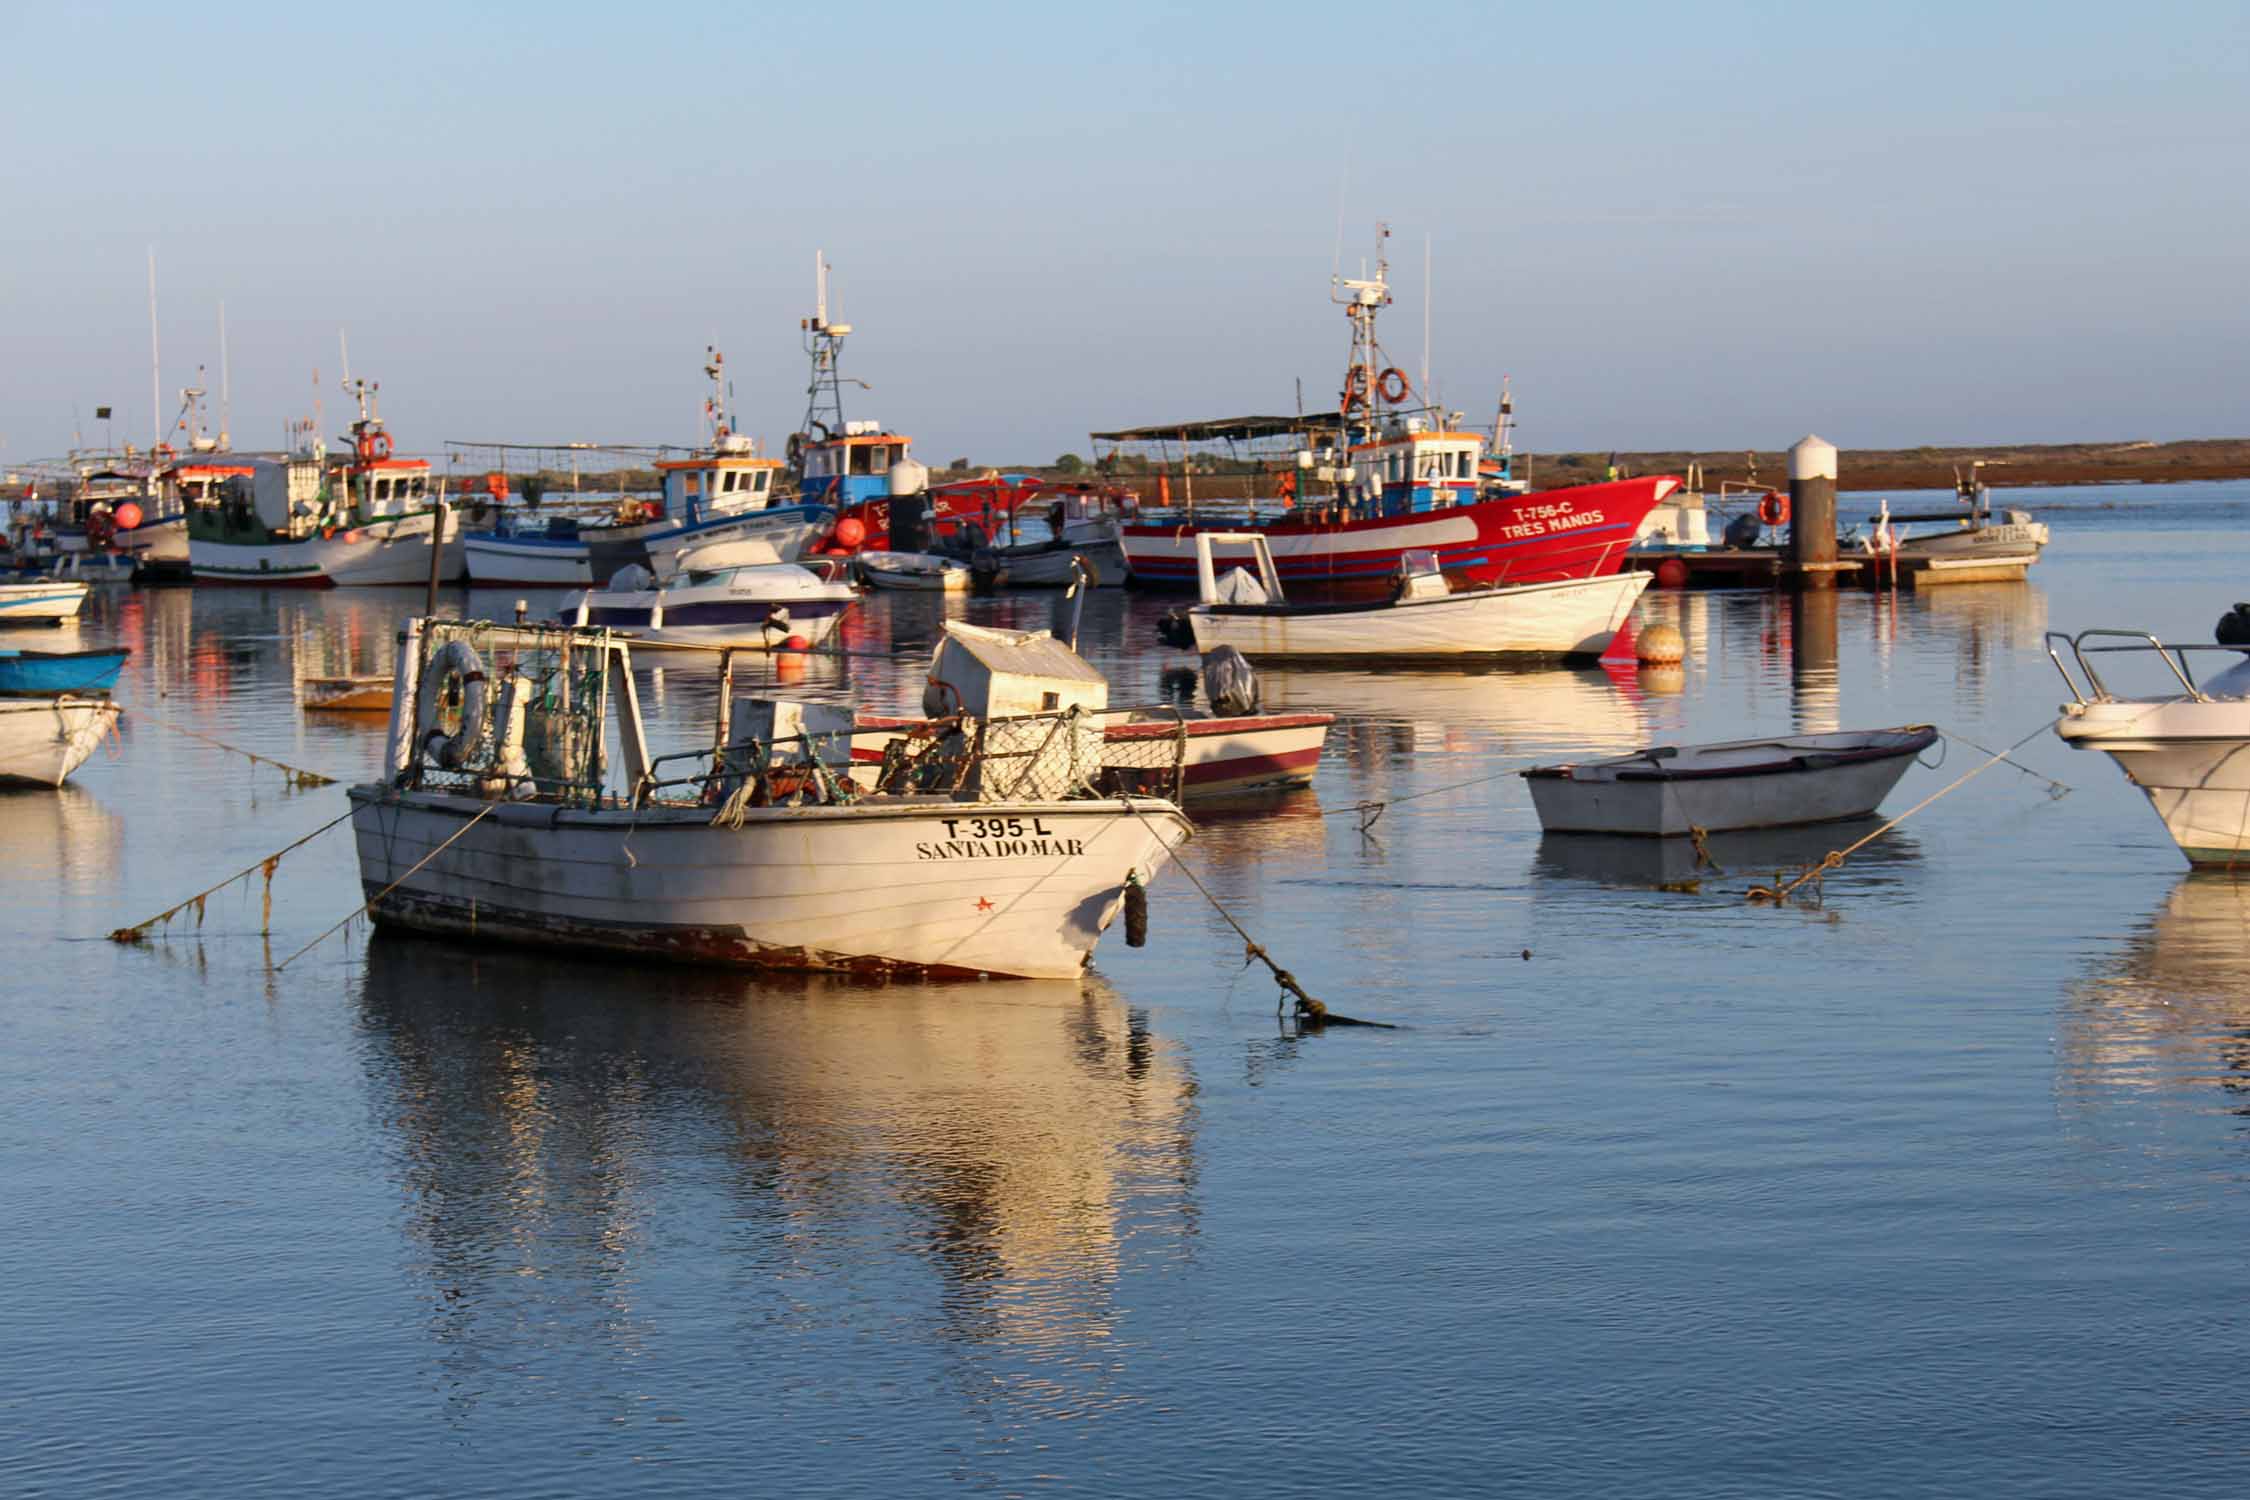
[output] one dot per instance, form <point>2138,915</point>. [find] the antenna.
<point>820,290</point>
<point>155,364</point>
<point>1426,316</point>
<point>344,346</point>
<point>226,397</point>
<point>1343,185</point>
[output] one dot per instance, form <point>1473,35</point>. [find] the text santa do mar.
<point>997,838</point>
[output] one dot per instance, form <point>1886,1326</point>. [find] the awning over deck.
<point>1227,430</point>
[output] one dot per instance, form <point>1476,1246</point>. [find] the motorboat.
<point>1973,545</point>
<point>912,572</point>
<point>1670,791</point>
<point>747,606</point>
<point>1425,621</point>
<point>61,671</point>
<point>344,695</point>
<point>1082,530</point>
<point>47,603</point>
<point>985,849</point>
<point>45,737</point>
<point>2188,750</point>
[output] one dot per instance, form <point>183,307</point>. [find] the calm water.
<point>1941,1188</point>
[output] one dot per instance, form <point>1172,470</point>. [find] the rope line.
<point>488,809</point>
<point>138,932</point>
<point>298,777</point>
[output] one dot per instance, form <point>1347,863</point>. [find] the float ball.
<point>850,532</point>
<point>1671,574</point>
<point>1661,646</point>
<point>798,643</point>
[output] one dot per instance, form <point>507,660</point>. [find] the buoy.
<point>798,643</point>
<point>1671,574</point>
<point>850,532</point>
<point>789,667</point>
<point>1136,911</point>
<point>127,516</point>
<point>1661,645</point>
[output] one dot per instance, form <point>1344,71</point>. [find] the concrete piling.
<point>1812,513</point>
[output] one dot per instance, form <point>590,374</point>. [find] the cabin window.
<point>382,489</point>
<point>859,461</point>
<point>726,481</point>
<point>878,459</point>
<point>693,482</point>
<point>764,476</point>
<point>421,486</point>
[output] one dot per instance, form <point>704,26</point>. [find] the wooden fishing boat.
<point>1672,790</point>
<point>61,671</point>
<point>986,849</point>
<point>1424,621</point>
<point>344,695</point>
<point>45,737</point>
<point>48,603</point>
<point>912,572</point>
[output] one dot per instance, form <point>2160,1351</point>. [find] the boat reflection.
<point>562,1131</point>
<point>2173,1007</point>
<point>62,843</point>
<point>1520,711</point>
<point>1616,860</point>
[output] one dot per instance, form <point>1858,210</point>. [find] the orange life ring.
<point>1773,508</point>
<point>1393,386</point>
<point>378,444</point>
<point>164,451</point>
<point>1355,387</point>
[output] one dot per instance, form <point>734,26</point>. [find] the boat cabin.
<point>189,484</point>
<point>260,499</point>
<point>851,467</point>
<point>389,486</point>
<point>722,483</point>
<point>1410,469</point>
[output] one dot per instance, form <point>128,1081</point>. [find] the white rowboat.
<point>1673,790</point>
<point>43,739</point>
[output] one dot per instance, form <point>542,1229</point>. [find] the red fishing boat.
<point>1386,472</point>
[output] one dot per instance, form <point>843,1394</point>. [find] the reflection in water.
<point>1613,859</point>
<point>561,1133</point>
<point>1814,691</point>
<point>57,838</point>
<point>2174,1006</point>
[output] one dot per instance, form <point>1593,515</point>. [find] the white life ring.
<point>455,658</point>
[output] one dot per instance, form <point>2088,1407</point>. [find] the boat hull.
<point>526,563</point>
<point>950,889</point>
<point>1573,618</point>
<point>1244,756</point>
<point>2191,760</point>
<point>392,551</point>
<point>1782,783</point>
<point>60,671</point>
<point>745,624</point>
<point>41,603</point>
<point>1570,533</point>
<point>1050,567</point>
<point>787,529</point>
<point>43,740</point>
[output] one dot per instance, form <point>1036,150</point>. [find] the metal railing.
<point>2173,655</point>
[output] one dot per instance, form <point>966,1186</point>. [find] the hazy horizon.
<point>1674,230</point>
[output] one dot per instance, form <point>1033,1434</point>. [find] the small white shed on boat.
<point>996,674</point>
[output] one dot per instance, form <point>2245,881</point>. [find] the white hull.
<point>1233,757</point>
<point>43,740</point>
<point>394,550</point>
<point>1008,889</point>
<point>2192,760</point>
<point>159,541</point>
<point>786,532</point>
<point>41,603</point>
<point>879,570</point>
<point>2012,541</point>
<point>813,631</point>
<point>1050,568</point>
<point>496,561</point>
<point>1576,617</point>
<point>1745,784</point>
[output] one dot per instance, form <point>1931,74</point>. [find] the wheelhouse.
<point>854,467</point>
<point>719,484</point>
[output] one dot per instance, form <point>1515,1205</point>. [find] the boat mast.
<point>824,341</point>
<point>155,364</point>
<point>226,396</point>
<point>1361,300</point>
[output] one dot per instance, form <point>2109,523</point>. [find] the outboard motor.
<point>1229,686</point>
<point>1174,630</point>
<point>1743,531</point>
<point>2234,626</point>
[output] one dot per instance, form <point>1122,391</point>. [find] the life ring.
<point>1093,574</point>
<point>1393,386</point>
<point>796,449</point>
<point>1773,508</point>
<point>1355,387</point>
<point>378,444</point>
<point>454,659</point>
<point>164,451</point>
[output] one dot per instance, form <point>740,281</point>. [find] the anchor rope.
<point>298,776</point>
<point>487,811</point>
<point>138,932</point>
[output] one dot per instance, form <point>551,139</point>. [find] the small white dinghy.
<point>46,736</point>
<point>1671,790</point>
<point>712,601</point>
<point>912,572</point>
<point>45,603</point>
<point>1424,622</point>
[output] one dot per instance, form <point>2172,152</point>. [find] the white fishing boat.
<point>1973,545</point>
<point>912,572</point>
<point>1083,529</point>
<point>1672,790</point>
<point>1189,755</point>
<point>47,602</point>
<point>710,602</point>
<point>516,553</point>
<point>45,737</point>
<point>1424,621</point>
<point>986,851</point>
<point>2188,750</point>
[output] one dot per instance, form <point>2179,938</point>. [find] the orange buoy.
<point>798,643</point>
<point>127,516</point>
<point>850,532</point>
<point>1671,574</point>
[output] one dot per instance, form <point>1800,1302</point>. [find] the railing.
<point>2174,656</point>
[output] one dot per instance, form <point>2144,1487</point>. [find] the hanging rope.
<point>2055,788</point>
<point>138,932</point>
<point>298,777</point>
<point>1309,1010</point>
<point>1369,811</point>
<point>1779,893</point>
<point>486,812</point>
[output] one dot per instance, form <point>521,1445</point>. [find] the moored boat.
<point>345,695</point>
<point>912,572</point>
<point>748,606</point>
<point>44,603</point>
<point>61,671</point>
<point>1673,790</point>
<point>45,737</point>
<point>2188,751</point>
<point>1424,621</point>
<point>983,852</point>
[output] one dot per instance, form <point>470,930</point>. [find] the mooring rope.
<point>1779,893</point>
<point>138,932</point>
<point>1308,1009</point>
<point>488,809</point>
<point>298,777</point>
<point>1369,810</point>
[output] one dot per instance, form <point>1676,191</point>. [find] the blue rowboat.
<point>61,671</point>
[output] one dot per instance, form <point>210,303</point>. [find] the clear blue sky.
<point>1707,225</point>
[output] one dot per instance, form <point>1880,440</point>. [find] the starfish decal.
<point>983,904</point>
